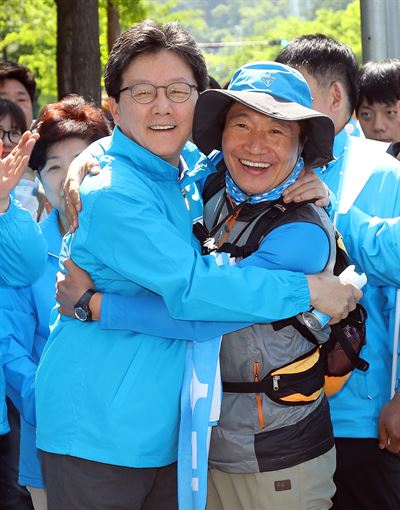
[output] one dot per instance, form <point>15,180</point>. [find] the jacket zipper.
<point>256,367</point>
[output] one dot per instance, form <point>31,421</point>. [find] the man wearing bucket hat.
<point>266,448</point>
<point>269,451</point>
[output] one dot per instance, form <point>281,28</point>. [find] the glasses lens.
<point>14,136</point>
<point>144,92</point>
<point>179,92</point>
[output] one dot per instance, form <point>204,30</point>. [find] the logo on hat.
<point>268,79</point>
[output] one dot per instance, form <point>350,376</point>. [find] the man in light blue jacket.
<point>366,419</point>
<point>108,402</point>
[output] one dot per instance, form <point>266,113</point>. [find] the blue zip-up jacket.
<point>22,259</point>
<point>355,409</point>
<point>24,319</point>
<point>114,396</point>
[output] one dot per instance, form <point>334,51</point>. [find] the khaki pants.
<point>39,498</point>
<point>307,486</point>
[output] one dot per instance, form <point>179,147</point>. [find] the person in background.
<point>65,129</point>
<point>378,105</point>
<point>17,228</point>
<point>366,419</point>
<point>12,125</point>
<point>17,84</point>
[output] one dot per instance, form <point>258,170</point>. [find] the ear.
<point>338,97</point>
<point>114,109</point>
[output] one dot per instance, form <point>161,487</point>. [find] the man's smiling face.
<point>161,126</point>
<point>260,152</point>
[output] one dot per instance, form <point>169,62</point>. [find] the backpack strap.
<point>355,359</point>
<point>214,183</point>
<point>267,220</point>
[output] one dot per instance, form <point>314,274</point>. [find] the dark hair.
<point>10,108</point>
<point>379,82</point>
<point>70,117</point>
<point>212,83</point>
<point>13,71</point>
<point>326,60</point>
<point>149,37</point>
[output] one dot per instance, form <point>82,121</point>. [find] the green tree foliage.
<point>343,25</point>
<point>28,36</point>
<point>28,29</point>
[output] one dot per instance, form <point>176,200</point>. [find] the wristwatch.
<point>81,308</point>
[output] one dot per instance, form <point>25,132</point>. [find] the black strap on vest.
<point>268,216</point>
<point>276,387</point>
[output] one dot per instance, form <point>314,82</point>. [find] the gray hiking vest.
<point>256,433</point>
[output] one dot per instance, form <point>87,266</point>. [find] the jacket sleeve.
<point>152,253</point>
<point>17,321</point>
<point>148,314</point>
<point>374,245</point>
<point>23,249</point>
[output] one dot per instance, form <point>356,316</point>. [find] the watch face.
<point>81,313</point>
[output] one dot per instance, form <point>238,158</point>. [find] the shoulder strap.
<point>268,221</point>
<point>214,183</point>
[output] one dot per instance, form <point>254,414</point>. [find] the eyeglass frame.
<point>7,133</point>
<point>156,87</point>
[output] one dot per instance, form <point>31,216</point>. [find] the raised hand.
<point>331,296</point>
<point>14,165</point>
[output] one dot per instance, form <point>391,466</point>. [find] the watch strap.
<point>83,303</point>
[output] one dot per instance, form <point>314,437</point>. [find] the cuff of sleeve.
<point>303,295</point>
<point>104,311</point>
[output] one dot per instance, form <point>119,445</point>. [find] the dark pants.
<point>366,477</point>
<point>79,484</point>
<point>12,495</point>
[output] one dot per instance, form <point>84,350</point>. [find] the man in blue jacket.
<point>366,419</point>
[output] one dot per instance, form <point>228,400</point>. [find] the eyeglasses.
<point>143,93</point>
<point>14,135</point>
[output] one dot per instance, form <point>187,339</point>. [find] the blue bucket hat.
<point>275,90</point>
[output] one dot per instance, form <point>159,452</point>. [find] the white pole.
<point>395,343</point>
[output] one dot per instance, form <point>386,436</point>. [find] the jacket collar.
<point>341,138</point>
<point>140,158</point>
<point>52,234</point>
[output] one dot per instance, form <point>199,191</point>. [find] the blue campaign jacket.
<point>355,409</point>
<point>22,259</point>
<point>114,396</point>
<point>24,319</point>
